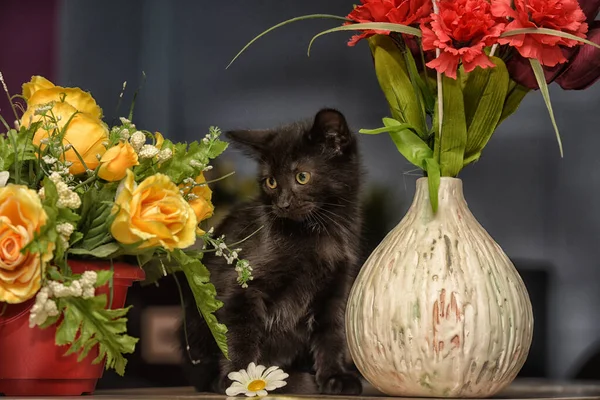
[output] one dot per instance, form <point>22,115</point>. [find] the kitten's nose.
<point>283,204</point>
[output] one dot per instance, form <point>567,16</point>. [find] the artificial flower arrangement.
<point>73,187</point>
<point>453,70</point>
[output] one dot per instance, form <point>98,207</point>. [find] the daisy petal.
<point>262,393</point>
<point>236,376</point>
<point>278,376</point>
<point>269,371</point>
<point>252,371</point>
<point>259,370</point>
<point>250,393</point>
<point>235,389</point>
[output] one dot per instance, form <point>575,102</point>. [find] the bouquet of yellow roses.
<point>73,187</point>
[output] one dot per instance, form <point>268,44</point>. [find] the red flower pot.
<point>31,364</point>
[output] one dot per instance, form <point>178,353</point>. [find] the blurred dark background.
<point>540,208</point>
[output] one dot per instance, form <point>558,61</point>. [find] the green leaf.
<point>97,217</point>
<point>102,251</point>
<point>289,21</point>
<point>87,323</point>
<point>103,276</point>
<point>392,74</point>
<point>546,31</point>
<point>383,26</point>
<point>408,143</point>
<point>198,278</point>
<point>185,157</point>
<point>484,95</point>
<point>6,154</point>
<point>516,94</point>
<point>453,138</point>
<point>418,88</point>
<point>433,182</point>
<point>541,80</point>
<point>385,129</point>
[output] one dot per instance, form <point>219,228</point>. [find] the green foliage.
<point>190,160</point>
<point>86,323</point>
<point>393,76</point>
<point>97,217</point>
<point>484,96</point>
<point>541,80</point>
<point>453,138</point>
<point>198,278</point>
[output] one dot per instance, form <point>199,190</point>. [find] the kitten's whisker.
<point>322,222</point>
<point>333,204</point>
<point>337,223</point>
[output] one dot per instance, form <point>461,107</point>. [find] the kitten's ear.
<point>252,142</point>
<point>331,129</point>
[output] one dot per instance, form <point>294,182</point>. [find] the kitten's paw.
<point>340,384</point>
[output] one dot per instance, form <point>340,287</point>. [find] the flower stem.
<point>12,106</point>
<point>440,91</point>
<point>91,179</point>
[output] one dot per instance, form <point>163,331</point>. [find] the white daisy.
<point>256,381</point>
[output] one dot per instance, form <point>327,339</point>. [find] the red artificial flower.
<point>585,59</point>
<point>461,30</point>
<point>561,15</point>
<point>403,12</point>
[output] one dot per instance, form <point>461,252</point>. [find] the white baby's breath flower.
<point>45,141</point>
<point>148,151</point>
<point>125,121</point>
<point>208,168</point>
<point>42,308</point>
<point>4,175</point>
<point>48,159</point>
<point>42,193</point>
<point>164,155</point>
<point>205,141</point>
<point>257,380</point>
<point>88,279</point>
<point>88,292</point>
<point>196,164</point>
<point>137,140</point>
<point>17,124</point>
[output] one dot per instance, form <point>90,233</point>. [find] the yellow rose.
<point>153,213</point>
<point>36,83</point>
<point>84,132</point>
<point>116,161</point>
<point>21,217</point>
<point>200,200</point>
<point>41,91</point>
<point>159,140</point>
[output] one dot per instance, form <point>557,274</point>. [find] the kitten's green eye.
<point>303,177</point>
<point>271,183</point>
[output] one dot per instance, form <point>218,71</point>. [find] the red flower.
<point>561,15</point>
<point>403,12</point>
<point>461,30</point>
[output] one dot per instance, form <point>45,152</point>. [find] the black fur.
<point>304,262</point>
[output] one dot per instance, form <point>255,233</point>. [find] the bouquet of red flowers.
<point>453,70</point>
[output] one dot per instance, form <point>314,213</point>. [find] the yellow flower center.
<point>257,385</point>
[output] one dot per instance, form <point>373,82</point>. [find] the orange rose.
<point>116,161</point>
<point>153,214</point>
<point>200,200</point>
<point>21,217</point>
<point>85,130</point>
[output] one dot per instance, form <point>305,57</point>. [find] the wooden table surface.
<point>520,389</point>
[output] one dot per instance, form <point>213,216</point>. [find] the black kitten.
<point>304,262</point>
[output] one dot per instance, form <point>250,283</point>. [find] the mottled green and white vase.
<point>438,309</point>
